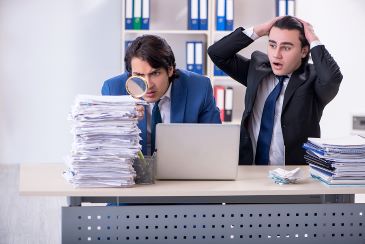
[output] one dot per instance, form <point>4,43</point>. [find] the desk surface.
<point>46,180</point>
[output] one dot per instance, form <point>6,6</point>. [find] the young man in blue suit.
<point>180,96</point>
<point>285,95</point>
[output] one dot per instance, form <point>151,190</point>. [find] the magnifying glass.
<point>136,86</point>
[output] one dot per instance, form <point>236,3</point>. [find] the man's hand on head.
<point>309,31</point>
<point>264,28</point>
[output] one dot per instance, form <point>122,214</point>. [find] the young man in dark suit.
<point>285,95</point>
<point>178,96</point>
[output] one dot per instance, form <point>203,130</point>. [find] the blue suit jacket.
<point>192,100</point>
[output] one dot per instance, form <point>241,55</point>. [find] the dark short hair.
<point>154,50</point>
<point>292,23</point>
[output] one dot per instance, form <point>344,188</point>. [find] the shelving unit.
<point>169,19</point>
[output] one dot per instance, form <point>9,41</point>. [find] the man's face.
<point>157,79</point>
<point>285,51</point>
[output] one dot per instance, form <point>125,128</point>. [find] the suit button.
<point>284,126</point>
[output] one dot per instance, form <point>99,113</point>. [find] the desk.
<point>255,210</point>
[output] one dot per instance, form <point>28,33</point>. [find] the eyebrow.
<point>153,71</point>
<point>282,44</point>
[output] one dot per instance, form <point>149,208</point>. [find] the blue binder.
<point>285,7</point>
<point>290,7</point>
<point>145,15</point>
<point>199,58</point>
<point>217,71</point>
<point>221,15</point>
<point>129,14</point>
<point>229,14</point>
<point>190,57</point>
<point>193,14</point>
<point>203,14</point>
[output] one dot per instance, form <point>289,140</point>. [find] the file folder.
<point>228,104</point>
<point>281,7</point>
<point>129,14</point>
<point>145,15</point>
<point>203,14</point>
<point>190,56</point>
<point>219,99</point>
<point>193,15</point>
<point>290,7</point>
<point>221,18</point>
<point>137,14</point>
<point>217,71</point>
<point>229,15</point>
<point>285,7</point>
<point>199,58</point>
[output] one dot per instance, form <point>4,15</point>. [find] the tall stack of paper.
<point>337,161</point>
<point>106,140</point>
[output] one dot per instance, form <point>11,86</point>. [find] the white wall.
<point>339,25</point>
<point>49,52</point>
<point>52,50</point>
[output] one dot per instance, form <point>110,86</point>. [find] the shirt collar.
<point>289,76</point>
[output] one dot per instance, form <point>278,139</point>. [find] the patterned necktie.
<point>267,124</point>
<point>156,118</point>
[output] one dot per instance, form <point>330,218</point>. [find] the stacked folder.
<point>197,14</point>
<point>224,15</point>
<point>285,7</point>
<point>137,14</point>
<point>224,101</point>
<point>105,141</point>
<point>337,161</point>
<point>194,57</point>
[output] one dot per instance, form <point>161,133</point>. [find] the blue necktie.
<point>156,118</point>
<point>267,124</point>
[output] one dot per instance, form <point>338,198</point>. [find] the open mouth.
<point>277,65</point>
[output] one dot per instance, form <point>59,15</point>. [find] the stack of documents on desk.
<point>106,140</point>
<point>337,161</point>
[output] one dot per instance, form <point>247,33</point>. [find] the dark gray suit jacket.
<point>309,90</point>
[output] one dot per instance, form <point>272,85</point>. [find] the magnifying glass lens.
<point>136,86</point>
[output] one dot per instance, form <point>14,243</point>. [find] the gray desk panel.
<point>230,223</point>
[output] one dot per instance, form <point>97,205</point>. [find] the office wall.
<point>52,50</point>
<point>339,25</point>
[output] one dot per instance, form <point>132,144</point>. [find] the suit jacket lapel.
<point>178,101</point>
<point>296,80</point>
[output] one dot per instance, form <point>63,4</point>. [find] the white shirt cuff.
<point>315,43</point>
<point>250,33</point>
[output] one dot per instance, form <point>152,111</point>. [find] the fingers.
<point>308,31</point>
<point>140,111</point>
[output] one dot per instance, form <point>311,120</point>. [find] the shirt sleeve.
<point>250,33</point>
<point>315,43</point>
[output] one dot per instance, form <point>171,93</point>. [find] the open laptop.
<point>197,151</point>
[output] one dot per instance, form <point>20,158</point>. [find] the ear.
<point>305,51</point>
<point>170,71</point>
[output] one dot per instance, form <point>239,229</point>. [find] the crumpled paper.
<point>281,176</point>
